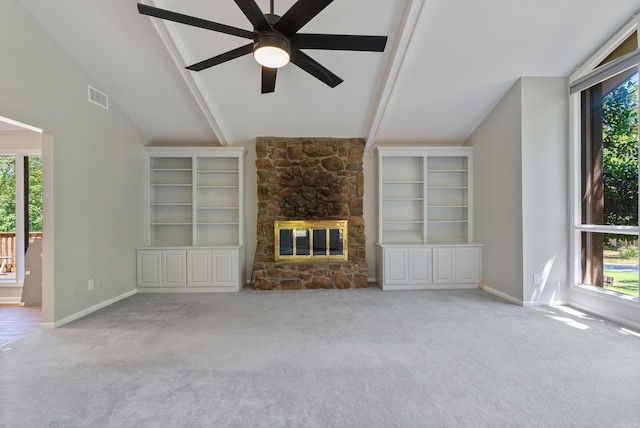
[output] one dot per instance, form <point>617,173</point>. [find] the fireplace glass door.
<point>311,240</point>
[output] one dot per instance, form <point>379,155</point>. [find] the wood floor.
<point>18,321</point>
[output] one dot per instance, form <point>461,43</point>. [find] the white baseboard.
<point>501,295</point>
<point>85,312</point>
<point>527,304</point>
<point>187,290</point>
<point>10,300</point>
<point>537,304</point>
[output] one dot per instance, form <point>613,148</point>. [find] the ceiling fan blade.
<point>268,79</point>
<point>299,14</point>
<point>219,59</point>
<point>339,42</point>
<point>253,13</point>
<point>193,21</point>
<point>314,68</point>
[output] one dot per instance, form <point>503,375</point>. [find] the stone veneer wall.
<point>309,179</point>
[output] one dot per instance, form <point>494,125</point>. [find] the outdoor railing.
<point>8,245</point>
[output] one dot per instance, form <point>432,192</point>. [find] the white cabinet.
<point>425,211</point>
<point>397,262</point>
<point>431,267</point>
<point>195,220</point>
<point>203,269</point>
<point>149,268</point>
<point>199,268</point>
<point>174,268</point>
<point>407,266</point>
<point>225,268</point>
<point>468,265</point>
<point>420,265</point>
<point>444,265</point>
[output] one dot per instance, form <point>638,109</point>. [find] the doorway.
<point>20,225</point>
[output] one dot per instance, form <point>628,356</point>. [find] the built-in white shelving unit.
<point>424,207</point>
<point>195,221</point>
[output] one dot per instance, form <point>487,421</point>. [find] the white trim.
<point>12,284</point>
<point>502,295</point>
<point>19,199</point>
<point>404,287</point>
<point>540,303</point>
<point>187,290</point>
<point>618,230</point>
<point>409,25</point>
<point>85,312</point>
<point>20,124</point>
<point>605,294</point>
<point>584,77</point>
<point>605,50</point>
<point>10,300</point>
<point>575,200</point>
<point>614,318</point>
<point>606,71</point>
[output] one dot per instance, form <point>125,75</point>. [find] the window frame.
<point>584,77</point>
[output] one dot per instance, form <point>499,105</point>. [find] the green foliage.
<point>8,196</point>
<point>620,154</point>
<point>629,252</point>
<point>35,194</point>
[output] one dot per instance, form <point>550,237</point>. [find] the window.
<point>606,215</point>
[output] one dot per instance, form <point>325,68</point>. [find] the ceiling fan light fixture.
<point>271,50</point>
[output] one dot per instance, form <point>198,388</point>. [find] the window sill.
<point>609,295</point>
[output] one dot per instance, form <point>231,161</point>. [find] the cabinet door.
<point>468,265</point>
<point>444,262</point>
<point>174,266</point>
<point>199,268</point>
<point>149,268</point>
<point>420,265</point>
<point>224,268</point>
<point>396,266</point>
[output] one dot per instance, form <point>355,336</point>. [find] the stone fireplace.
<point>304,180</point>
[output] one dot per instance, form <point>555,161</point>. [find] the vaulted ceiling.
<point>446,65</point>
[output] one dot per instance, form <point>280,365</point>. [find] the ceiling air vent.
<point>99,98</point>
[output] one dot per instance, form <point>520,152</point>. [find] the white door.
<point>149,268</point>
<point>174,266</point>
<point>396,266</point>
<point>444,261</point>
<point>199,268</point>
<point>468,265</point>
<point>420,265</point>
<point>224,264</point>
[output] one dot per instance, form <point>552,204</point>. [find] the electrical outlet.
<point>90,285</point>
<point>536,278</point>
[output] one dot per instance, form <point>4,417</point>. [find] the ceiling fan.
<point>275,39</point>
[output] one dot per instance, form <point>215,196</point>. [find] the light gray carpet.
<point>326,358</point>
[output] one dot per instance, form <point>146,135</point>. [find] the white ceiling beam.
<point>409,24</point>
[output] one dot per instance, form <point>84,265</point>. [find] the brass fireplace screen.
<point>311,240</point>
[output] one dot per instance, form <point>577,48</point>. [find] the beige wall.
<point>94,167</point>
<point>497,180</point>
<point>520,185</point>
<point>545,201</point>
